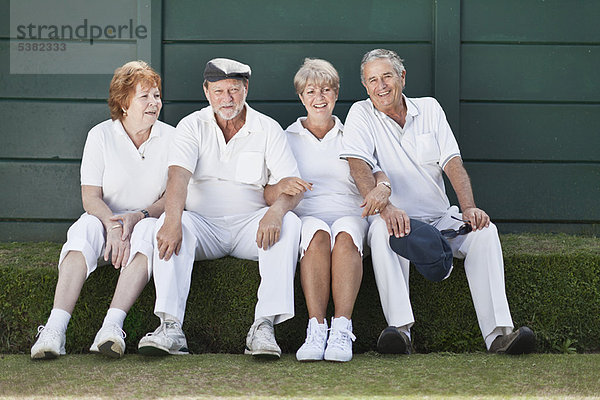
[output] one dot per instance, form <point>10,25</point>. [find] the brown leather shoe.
<point>393,341</point>
<point>521,341</point>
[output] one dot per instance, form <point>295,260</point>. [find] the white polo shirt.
<point>334,193</point>
<point>131,179</point>
<point>229,178</point>
<point>412,157</point>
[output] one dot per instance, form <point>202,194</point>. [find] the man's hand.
<point>376,200</point>
<point>269,229</point>
<point>477,217</point>
<point>119,248</point>
<point>397,221</point>
<point>128,220</point>
<point>169,238</point>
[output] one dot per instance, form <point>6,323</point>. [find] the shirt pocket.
<point>250,166</point>
<point>428,148</point>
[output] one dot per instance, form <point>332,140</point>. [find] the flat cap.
<point>223,68</point>
<point>427,249</point>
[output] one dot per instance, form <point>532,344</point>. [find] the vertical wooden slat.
<point>446,59</point>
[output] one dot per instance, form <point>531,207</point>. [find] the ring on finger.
<point>377,211</point>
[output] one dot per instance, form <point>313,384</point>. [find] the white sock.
<point>406,331</point>
<point>114,316</point>
<point>58,320</point>
<point>269,318</point>
<point>498,331</point>
<point>164,317</point>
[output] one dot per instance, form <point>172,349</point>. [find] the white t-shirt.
<point>229,178</point>
<point>131,179</point>
<point>412,157</point>
<point>334,193</point>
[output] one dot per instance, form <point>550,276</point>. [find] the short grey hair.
<point>385,54</point>
<point>318,71</point>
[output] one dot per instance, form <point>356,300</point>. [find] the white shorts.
<point>87,235</point>
<point>356,227</point>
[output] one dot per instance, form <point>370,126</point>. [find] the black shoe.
<point>393,341</point>
<point>521,341</point>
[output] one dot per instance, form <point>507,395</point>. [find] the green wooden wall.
<point>517,80</point>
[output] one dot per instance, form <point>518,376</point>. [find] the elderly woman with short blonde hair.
<point>123,177</point>
<point>333,230</point>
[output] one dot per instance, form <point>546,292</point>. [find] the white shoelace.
<point>118,330</point>
<point>315,335</point>
<point>47,333</point>
<point>339,338</point>
<point>264,332</point>
<point>162,328</point>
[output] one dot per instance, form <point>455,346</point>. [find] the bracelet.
<point>146,213</point>
<point>115,227</point>
<point>386,184</point>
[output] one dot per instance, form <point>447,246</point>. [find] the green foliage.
<point>555,291</point>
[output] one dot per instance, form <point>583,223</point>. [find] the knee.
<point>321,241</point>
<point>291,221</point>
<point>344,242</point>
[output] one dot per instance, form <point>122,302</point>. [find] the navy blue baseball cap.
<point>427,249</point>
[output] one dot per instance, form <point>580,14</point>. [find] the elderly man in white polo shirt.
<point>220,160</point>
<point>411,141</point>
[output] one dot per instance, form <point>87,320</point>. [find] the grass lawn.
<point>420,376</point>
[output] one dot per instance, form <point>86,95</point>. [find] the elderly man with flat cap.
<point>411,141</point>
<point>219,162</point>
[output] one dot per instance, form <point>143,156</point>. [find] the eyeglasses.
<point>463,230</point>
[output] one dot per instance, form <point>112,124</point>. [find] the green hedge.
<point>552,283</point>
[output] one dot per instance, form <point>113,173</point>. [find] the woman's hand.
<point>118,247</point>
<point>376,200</point>
<point>128,220</point>
<point>293,185</point>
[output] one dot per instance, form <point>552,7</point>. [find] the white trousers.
<point>87,235</point>
<point>484,267</point>
<point>356,227</point>
<point>207,238</point>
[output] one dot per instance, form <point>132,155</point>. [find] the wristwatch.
<point>386,184</point>
<point>146,213</point>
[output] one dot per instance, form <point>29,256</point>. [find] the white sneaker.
<point>167,339</point>
<point>313,348</point>
<point>110,341</point>
<point>339,344</point>
<point>260,341</point>
<point>50,344</point>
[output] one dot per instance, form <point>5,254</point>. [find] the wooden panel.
<point>571,229</point>
<point>284,113</point>
<point>4,18</point>
<point>40,190</point>
<point>530,131</point>
<point>447,59</point>
<point>531,21</point>
<point>274,66</point>
<point>544,73</point>
<point>406,20</point>
<point>49,86</point>
<point>544,192</point>
<point>34,231</point>
<point>45,129</point>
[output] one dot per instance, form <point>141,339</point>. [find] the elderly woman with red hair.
<point>123,178</point>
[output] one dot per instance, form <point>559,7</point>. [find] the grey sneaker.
<point>50,344</point>
<point>110,341</point>
<point>521,341</point>
<point>260,341</point>
<point>393,341</point>
<point>339,344</point>
<point>313,348</point>
<point>167,339</point>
